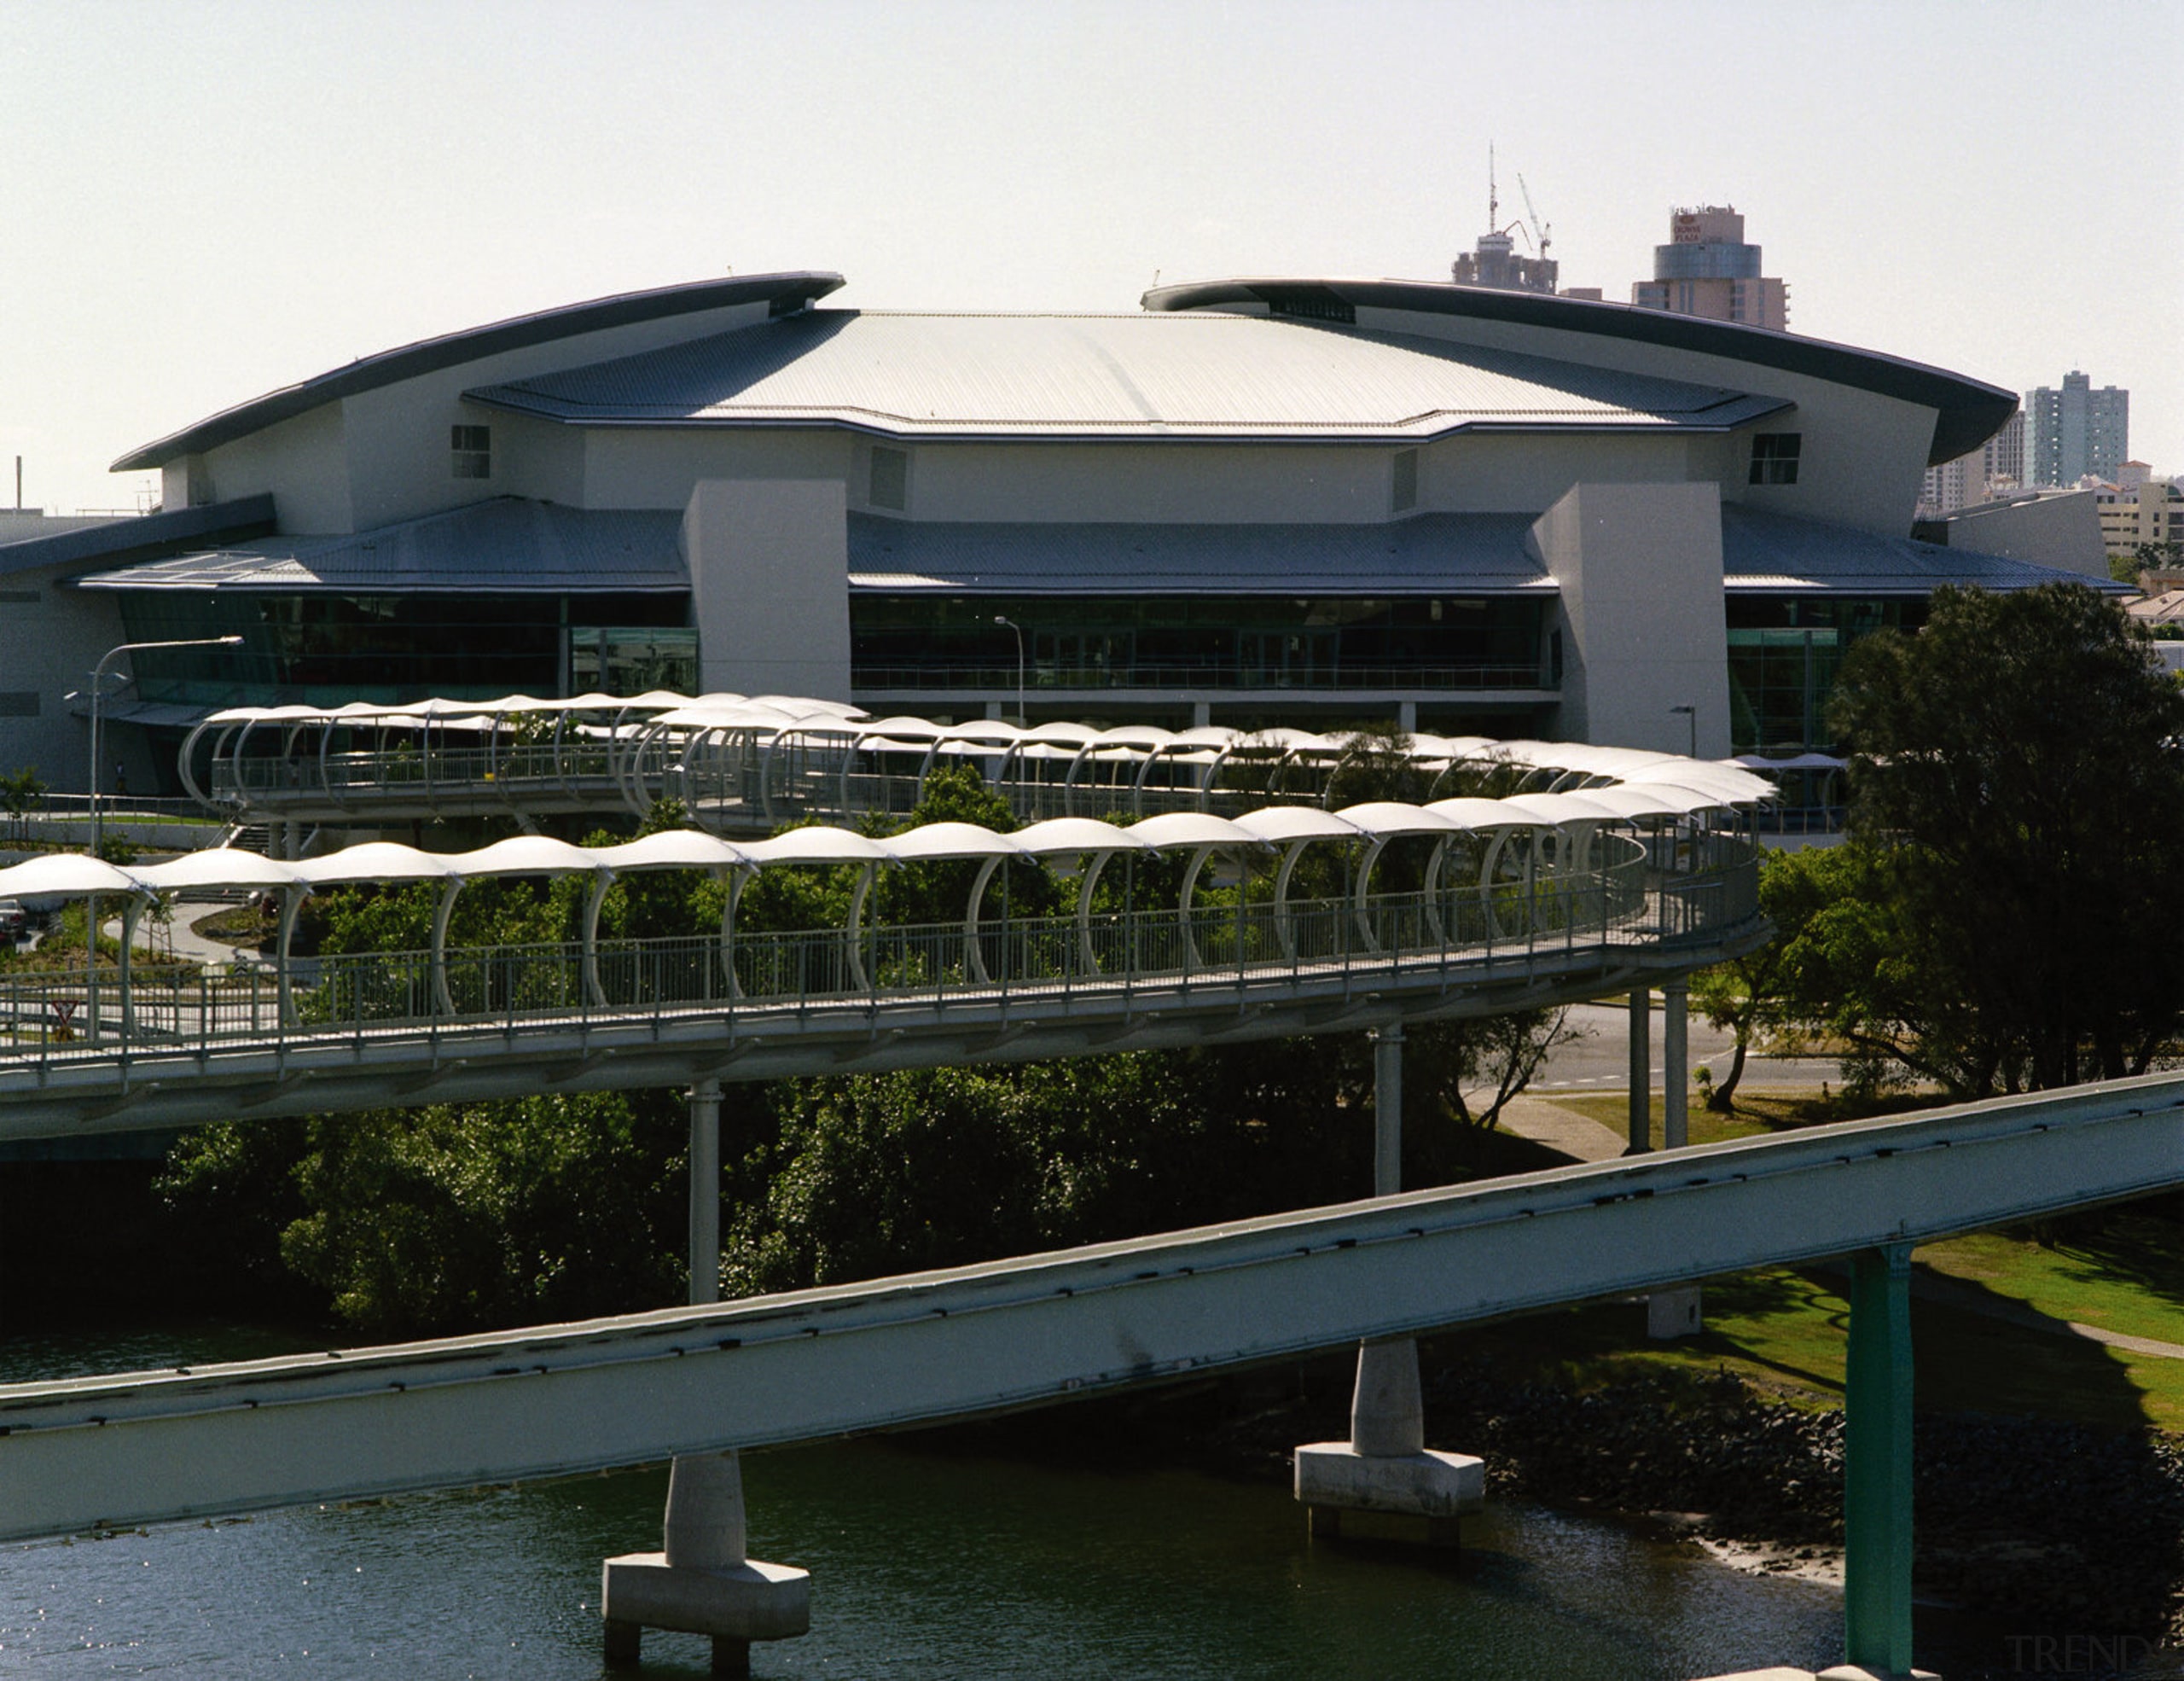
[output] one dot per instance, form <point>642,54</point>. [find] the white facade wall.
<point>770,585</point>
<point>391,459</point>
<point>659,467</point>
<point>1503,472</point>
<point>304,462</point>
<point>50,642</point>
<point>1864,456</point>
<point>1154,483</point>
<point>1643,627</point>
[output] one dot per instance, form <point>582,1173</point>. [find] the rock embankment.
<point>2052,1525</point>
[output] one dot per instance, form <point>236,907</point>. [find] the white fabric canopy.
<point>1478,814</point>
<point>1060,836</point>
<point>1296,822</point>
<point>1386,818</point>
<point>1561,808</point>
<point>1193,828</point>
<point>375,861</point>
<point>525,855</point>
<point>672,849</point>
<point>951,841</point>
<point>217,867</point>
<point>64,873</point>
<point>818,844</point>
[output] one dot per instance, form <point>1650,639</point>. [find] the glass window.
<point>1774,457</point>
<point>473,449</point>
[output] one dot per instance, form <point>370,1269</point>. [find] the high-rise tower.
<point>2078,431</point>
<point>1707,269</point>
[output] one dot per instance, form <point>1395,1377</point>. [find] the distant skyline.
<point>199,203</point>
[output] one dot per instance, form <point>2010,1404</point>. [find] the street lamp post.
<point>98,678</point>
<point>1691,718</point>
<point>1022,717</point>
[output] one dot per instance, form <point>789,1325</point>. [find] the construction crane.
<point>1541,233</point>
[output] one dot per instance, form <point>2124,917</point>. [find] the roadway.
<point>553,1400</point>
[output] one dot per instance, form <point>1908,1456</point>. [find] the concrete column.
<point>1675,1062</point>
<point>701,1582</point>
<point>1877,1463</point>
<point>1407,716</point>
<point>1641,1073</point>
<point>1679,1311</point>
<point>704,1529</point>
<point>1387,1110</point>
<point>1201,714</point>
<point>1385,1471</point>
<point>704,1192</point>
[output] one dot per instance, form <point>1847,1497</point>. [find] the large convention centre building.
<point>1313,503</point>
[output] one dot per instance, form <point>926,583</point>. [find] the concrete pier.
<point>700,1582</point>
<point>705,1193</point>
<point>1680,1312</point>
<point>1386,1468</point>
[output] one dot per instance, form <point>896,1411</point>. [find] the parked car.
<point>15,921</point>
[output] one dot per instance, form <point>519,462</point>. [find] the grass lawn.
<point>2122,1270</point>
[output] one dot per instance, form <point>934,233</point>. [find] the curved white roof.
<point>672,849</point>
<point>951,841</point>
<point>1058,837</point>
<point>525,855</point>
<point>216,867</point>
<point>1384,819</point>
<point>1475,814</point>
<point>1296,822</point>
<point>64,873</point>
<point>818,844</point>
<point>1193,828</point>
<point>375,861</point>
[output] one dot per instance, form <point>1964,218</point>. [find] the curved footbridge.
<point>1500,904</point>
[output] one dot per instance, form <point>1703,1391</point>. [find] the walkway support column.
<point>1877,1463</point>
<point>1675,1062</point>
<point>1387,1110</point>
<point>1641,1073</point>
<point>1386,1469</point>
<point>700,1582</point>
<point>1678,1311</point>
<point>705,1193</point>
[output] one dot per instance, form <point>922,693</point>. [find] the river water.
<point>927,1562</point>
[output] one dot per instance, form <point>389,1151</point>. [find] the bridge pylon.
<point>1386,1468</point>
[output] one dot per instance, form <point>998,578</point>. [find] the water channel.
<point>927,1562</point>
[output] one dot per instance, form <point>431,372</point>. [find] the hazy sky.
<point>199,203</point>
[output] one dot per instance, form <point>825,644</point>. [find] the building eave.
<point>1967,411</point>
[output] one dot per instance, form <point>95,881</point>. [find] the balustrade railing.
<point>169,1008</point>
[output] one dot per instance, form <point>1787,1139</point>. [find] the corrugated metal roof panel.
<point>1120,376</point>
<point>1436,553</point>
<point>504,546</point>
<point>1766,553</point>
<point>118,539</point>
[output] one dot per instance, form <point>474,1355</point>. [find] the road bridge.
<point>560,1399</point>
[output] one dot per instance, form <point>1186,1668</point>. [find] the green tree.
<point>2018,781</point>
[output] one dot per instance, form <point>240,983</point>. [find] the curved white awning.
<point>1283,824</point>
<point>935,840</point>
<point>1384,819</point>
<point>375,861</point>
<point>1192,829</point>
<point>671,849</point>
<point>819,843</point>
<point>1059,837</point>
<point>65,873</point>
<point>217,867</point>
